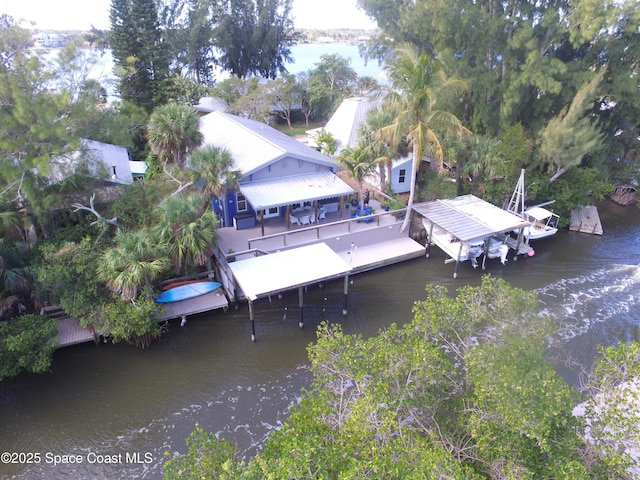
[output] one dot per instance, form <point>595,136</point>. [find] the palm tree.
<point>358,163</point>
<point>326,142</point>
<point>213,170</point>
<point>10,222</point>
<point>382,151</point>
<point>173,131</point>
<point>420,94</point>
<point>134,262</point>
<point>187,228</point>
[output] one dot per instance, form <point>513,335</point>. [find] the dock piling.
<point>301,304</point>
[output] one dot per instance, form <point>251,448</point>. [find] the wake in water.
<point>578,304</point>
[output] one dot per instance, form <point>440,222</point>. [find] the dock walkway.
<point>70,332</point>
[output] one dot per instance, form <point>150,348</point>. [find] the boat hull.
<point>539,233</point>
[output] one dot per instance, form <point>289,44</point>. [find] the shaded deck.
<point>363,243</point>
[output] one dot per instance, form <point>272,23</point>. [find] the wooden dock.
<point>204,303</point>
<point>586,220</point>
<point>70,332</point>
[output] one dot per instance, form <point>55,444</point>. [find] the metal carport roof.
<point>280,271</point>
<point>468,217</point>
<point>265,194</point>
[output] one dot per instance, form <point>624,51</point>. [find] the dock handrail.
<point>319,227</point>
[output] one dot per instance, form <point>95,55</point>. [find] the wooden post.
<point>301,305</point>
<point>346,293</point>
<point>262,221</point>
<point>288,216</point>
<point>253,323</point>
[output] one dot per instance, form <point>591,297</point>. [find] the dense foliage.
<point>464,390</point>
<point>26,344</point>
<point>140,58</point>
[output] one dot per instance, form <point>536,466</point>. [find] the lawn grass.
<point>298,128</point>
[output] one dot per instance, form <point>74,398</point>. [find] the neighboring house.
<point>104,161</point>
<point>207,105</point>
<point>346,120</point>
<point>344,125</point>
<point>277,170</point>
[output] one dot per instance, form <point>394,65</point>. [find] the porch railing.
<point>323,230</point>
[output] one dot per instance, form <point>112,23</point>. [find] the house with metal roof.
<point>344,125</point>
<point>346,121</point>
<point>103,161</point>
<point>278,172</point>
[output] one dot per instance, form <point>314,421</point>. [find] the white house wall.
<point>395,183</point>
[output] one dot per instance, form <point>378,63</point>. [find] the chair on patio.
<point>293,219</point>
<point>322,214</point>
<point>305,220</point>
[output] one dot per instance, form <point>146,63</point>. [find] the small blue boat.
<point>184,292</point>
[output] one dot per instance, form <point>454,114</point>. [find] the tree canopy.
<point>464,390</point>
<point>139,54</point>
<point>255,37</point>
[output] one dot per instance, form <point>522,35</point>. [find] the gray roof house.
<point>104,161</point>
<point>277,170</point>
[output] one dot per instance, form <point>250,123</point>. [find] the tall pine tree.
<point>139,54</point>
<point>255,37</point>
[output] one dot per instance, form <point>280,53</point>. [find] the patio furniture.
<point>322,214</point>
<point>293,219</point>
<point>305,220</point>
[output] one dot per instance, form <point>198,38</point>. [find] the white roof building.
<point>346,120</point>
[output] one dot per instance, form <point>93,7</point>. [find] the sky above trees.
<point>56,15</point>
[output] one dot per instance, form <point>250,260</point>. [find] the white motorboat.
<point>543,223</point>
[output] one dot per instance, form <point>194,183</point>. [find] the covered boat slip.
<point>281,271</point>
<point>466,227</point>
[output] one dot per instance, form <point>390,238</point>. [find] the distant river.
<point>308,54</point>
<point>305,57</point>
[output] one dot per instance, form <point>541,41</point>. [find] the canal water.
<point>117,409</point>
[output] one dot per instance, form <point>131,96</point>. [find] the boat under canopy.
<point>467,227</point>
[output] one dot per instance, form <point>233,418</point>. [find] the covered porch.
<point>300,200</point>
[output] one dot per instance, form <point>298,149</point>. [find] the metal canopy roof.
<point>539,213</point>
<point>277,272</point>
<point>297,188</point>
<point>469,217</point>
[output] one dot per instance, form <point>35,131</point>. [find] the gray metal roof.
<point>469,217</point>
<point>294,189</point>
<point>254,145</point>
<point>277,272</point>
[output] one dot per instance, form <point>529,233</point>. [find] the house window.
<point>403,174</point>
<point>241,202</point>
